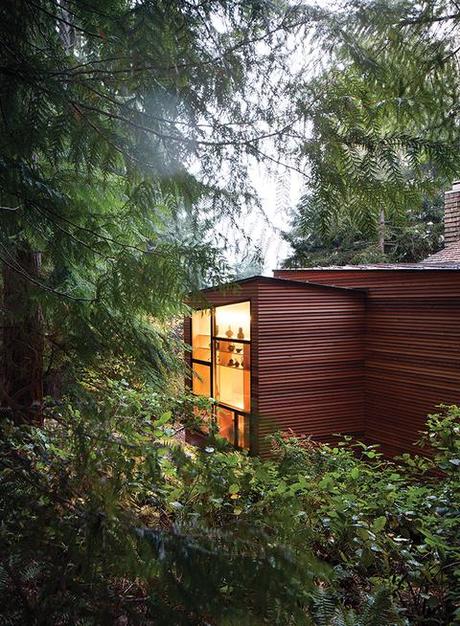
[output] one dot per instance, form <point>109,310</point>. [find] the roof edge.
<point>286,281</point>
<point>453,266</point>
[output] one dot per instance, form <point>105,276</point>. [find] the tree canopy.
<point>408,238</point>
<point>123,132</point>
<point>383,115</point>
<point>126,130</point>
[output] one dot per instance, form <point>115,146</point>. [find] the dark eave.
<point>284,282</point>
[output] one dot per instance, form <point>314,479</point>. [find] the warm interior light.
<point>243,432</point>
<point>225,422</point>
<point>227,350</point>
<point>234,318</point>
<point>233,387</point>
<point>201,335</point>
<point>201,383</point>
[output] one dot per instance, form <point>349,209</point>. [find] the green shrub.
<point>107,518</point>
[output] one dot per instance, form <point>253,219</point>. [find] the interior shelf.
<point>231,339</point>
<point>229,384</point>
<point>241,353</point>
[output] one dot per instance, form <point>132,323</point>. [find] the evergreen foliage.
<point>383,113</point>
<point>106,110</point>
<point>409,239</point>
<point>125,129</point>
<point>108,518</point>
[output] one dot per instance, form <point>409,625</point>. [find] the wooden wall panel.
<point>386,284</point>
<point>311,361</point>
<point>307,358</point>
<point>412,361</point>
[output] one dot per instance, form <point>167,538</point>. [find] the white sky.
<point>279,193</point>
<point>279,188</point>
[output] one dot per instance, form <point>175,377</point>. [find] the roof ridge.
<point>285,281</point>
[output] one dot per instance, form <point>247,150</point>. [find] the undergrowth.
<point>107,517</point>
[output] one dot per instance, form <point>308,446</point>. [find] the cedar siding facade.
<point>310,360</point>
<point>307,356</point>
<point>412,345</point>
<point>366,350</point>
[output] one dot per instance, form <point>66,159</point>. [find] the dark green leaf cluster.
<point>408,238</point>
<point>123,130</point>
<point>107,517</point>
<point>383,114</point>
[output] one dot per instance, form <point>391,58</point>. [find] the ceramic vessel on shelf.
<point>229,332</point>
<point>230,347</point>
<point>236,364</point>
<point>230,363</point>
<point>239,350</point>
<point>240,334</point>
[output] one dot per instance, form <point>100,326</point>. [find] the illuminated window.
<point>201,383</point>
<point>221,364</point>
<point>234,321</point>
<point>226,424</point>
<point>201,335</point>
<point>243,432</point>
<point>233,374</point>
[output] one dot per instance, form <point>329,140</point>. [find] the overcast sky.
<point>279,189</point>
<point>278,194</point>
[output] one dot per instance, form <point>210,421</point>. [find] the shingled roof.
<point>449,255</point>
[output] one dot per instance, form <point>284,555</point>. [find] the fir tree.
<point>106,109</point>
<point>382,114</point>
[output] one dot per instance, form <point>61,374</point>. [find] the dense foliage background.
<point>124,129</point>
<point>108,519</point>
<point>382,139</point>
<point>126,134</point>
<point>408,239</point>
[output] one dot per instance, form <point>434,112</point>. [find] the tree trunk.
<point>382,231</point>
<point>23,339</point>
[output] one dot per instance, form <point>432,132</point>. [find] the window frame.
<point>212,365</point>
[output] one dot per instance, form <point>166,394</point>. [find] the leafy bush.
<point>385,524</point>
<point>108,518</point>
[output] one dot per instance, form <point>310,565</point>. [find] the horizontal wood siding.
<point>310,357</point>
<point>386,284</point>
<point>412,361</point>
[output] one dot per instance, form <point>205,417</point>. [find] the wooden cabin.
<point>278,354</point>
<point>362,350</point>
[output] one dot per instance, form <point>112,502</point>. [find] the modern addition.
<point>366,350</point>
